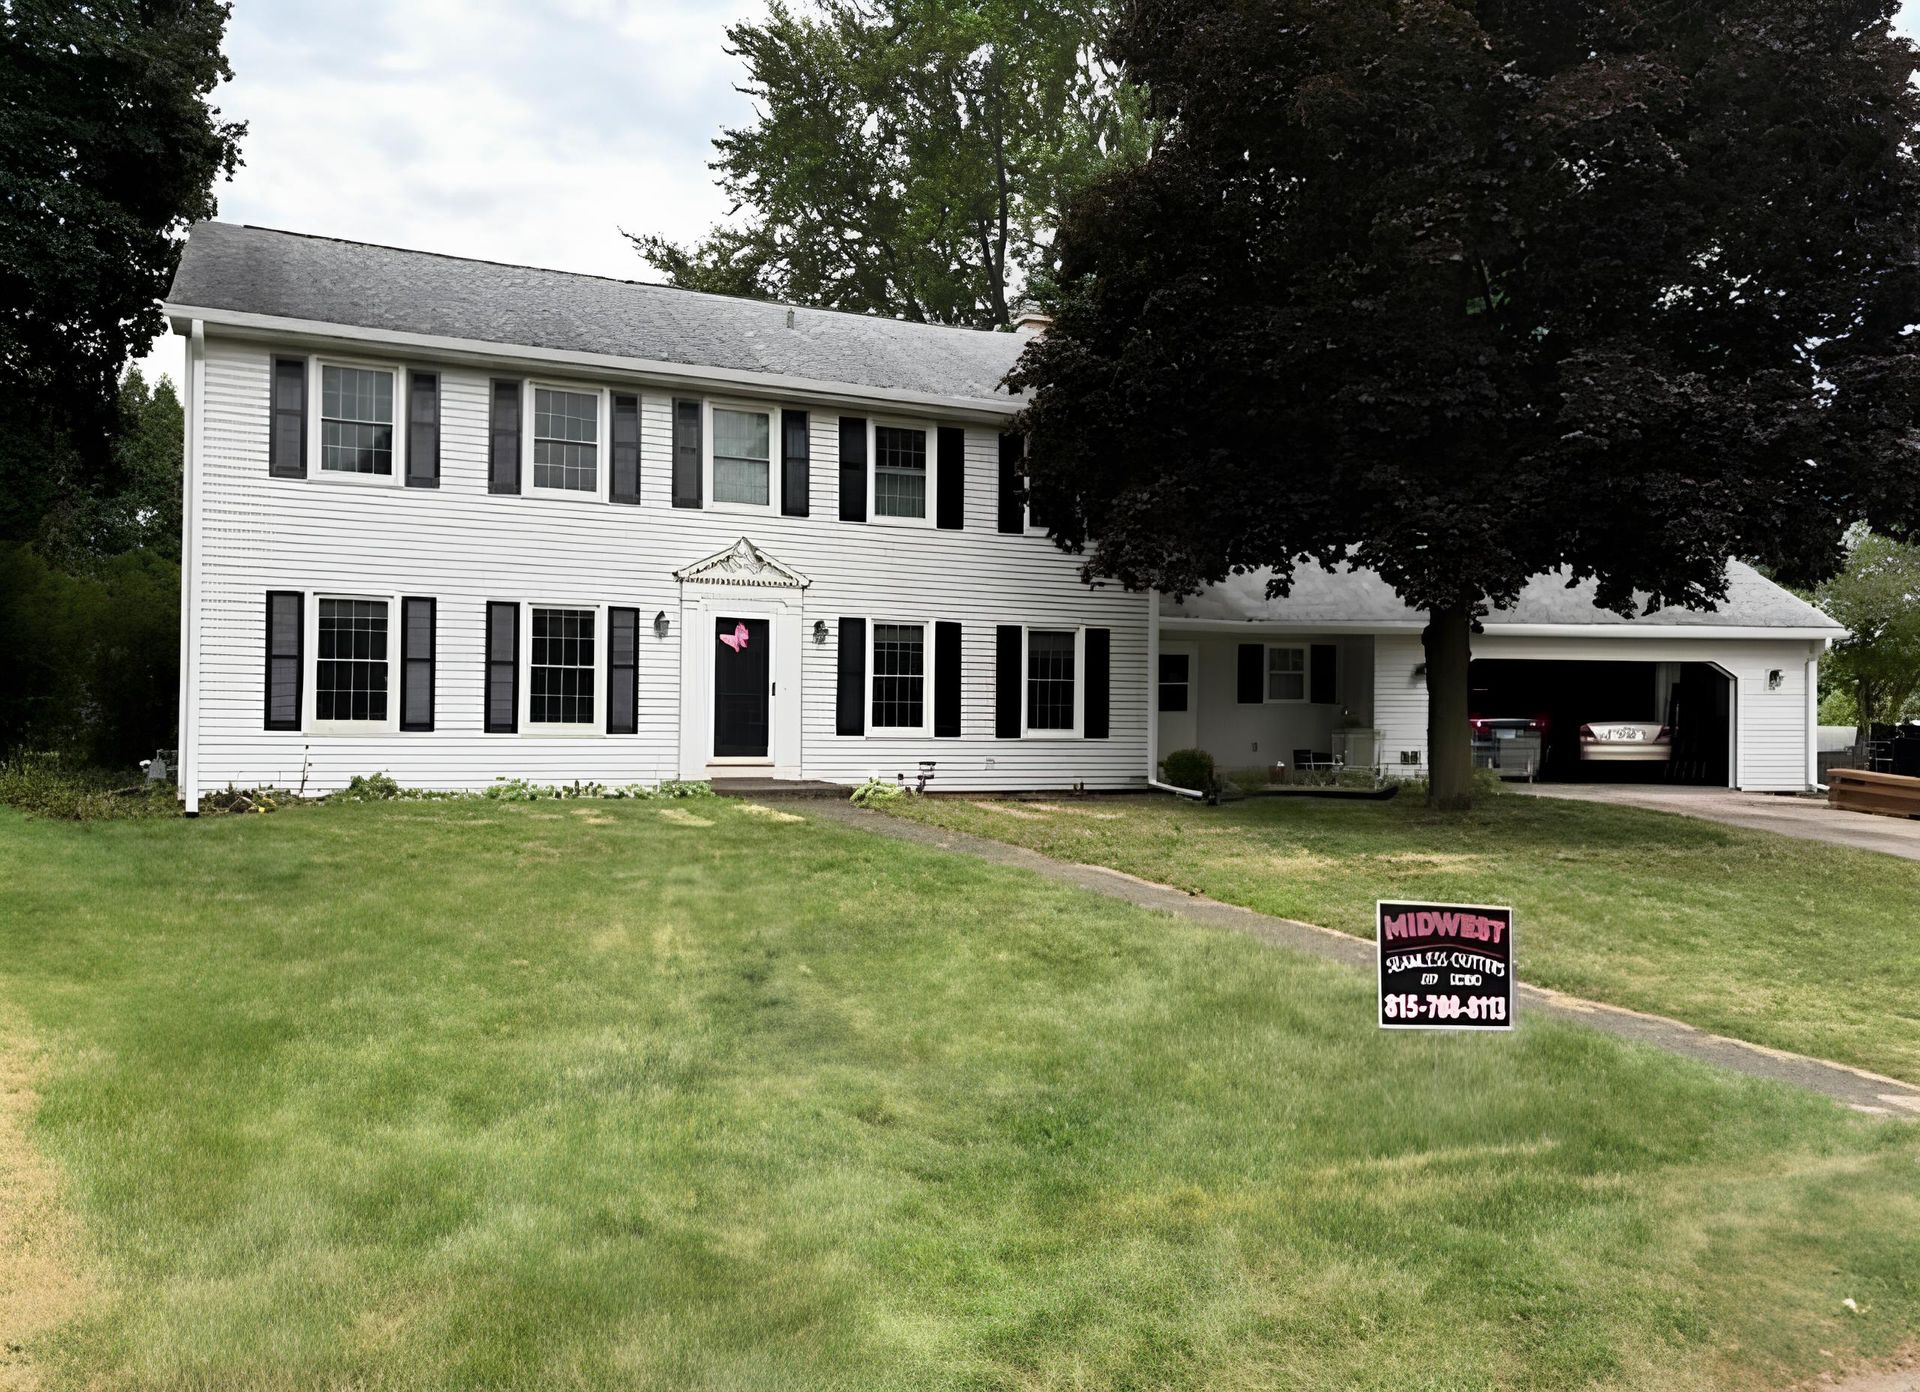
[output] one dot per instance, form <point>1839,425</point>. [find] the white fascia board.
<point>644,371</point>
<point>1664,632</point>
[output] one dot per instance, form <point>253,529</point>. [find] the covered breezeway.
<point>1693,700</point>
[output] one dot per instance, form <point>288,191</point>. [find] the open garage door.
<point>1602,721</point>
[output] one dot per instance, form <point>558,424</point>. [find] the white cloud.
<point>488,128</point>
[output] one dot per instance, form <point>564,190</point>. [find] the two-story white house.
<point>453,521</point>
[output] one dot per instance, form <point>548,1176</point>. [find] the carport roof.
<point>1360,600</point>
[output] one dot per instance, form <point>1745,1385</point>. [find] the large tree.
<point>1472,292</point>
<point>1877,596</point>
<point>908,157</point>
<point>109,147</point>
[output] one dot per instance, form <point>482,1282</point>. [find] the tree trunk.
<point>1448,642</point>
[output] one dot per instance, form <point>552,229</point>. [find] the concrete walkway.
<point>1859,1089</point>
<point>1790,816</point>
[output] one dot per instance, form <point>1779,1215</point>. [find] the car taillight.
<point>1540,723</point>
<point>1479,726</point>
<point>1665,736</point>
<point>1587,735</point>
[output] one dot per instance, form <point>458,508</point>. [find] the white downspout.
<point>1812,723</point>
<point>188,773</point>
<point>1153,704</point>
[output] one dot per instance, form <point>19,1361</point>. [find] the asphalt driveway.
<point>1806,818</point>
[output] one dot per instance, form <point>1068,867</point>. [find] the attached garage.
<point>1736,688</point>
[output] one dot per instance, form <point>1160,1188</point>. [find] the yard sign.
<point>1445,966</point>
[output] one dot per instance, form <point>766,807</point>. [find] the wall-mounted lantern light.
<point>660,624</point>
<point>819,630</point>
<point>1774,678</point>
<point>1419,674</point>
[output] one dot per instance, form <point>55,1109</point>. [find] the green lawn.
<point>583,1096</point>
<point>1787,943</point>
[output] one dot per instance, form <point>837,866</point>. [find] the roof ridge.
<point>611,280</point>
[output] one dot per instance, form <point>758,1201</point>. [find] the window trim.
<point>602,444</point>
<point>524,665</point>
<point>931,433</point>
<point>1267,697</point>
<point>316,427</point>
<point>1079,633</point>
<point>924,730</point>
<point>310,720</point>
<point>708,405</point>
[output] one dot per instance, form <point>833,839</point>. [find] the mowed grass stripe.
<point>1810,948</point>
<point>457,1095</point>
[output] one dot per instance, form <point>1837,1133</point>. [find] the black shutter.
<point>623,671</point>
<point>287,426</point>
<point>853,469</point>
<point>503,668</point>
<point>950,488</point>
<point>1322,673</point>
<point>1007,642</point>
<point>686,454</point>
<point>1099,647</point>
<point>1253,674</point>
<point>624,449</point>
<point>794,453</point>
<point>946,681</point>
<point>286,657</point>
<point>1013,517</point>
<point>416,663</point>
<point>503,439</point>
<point>423,430</point>
<point>850,696</point>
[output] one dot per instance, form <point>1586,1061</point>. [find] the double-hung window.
<point>355,422</point>
<point>902,467</point>
<point>566,440</point>
<point>561,665</point>
<point>742,456</point>
<point>899,666</point>
<point>351,667</point>
<point>1286,674</point>
<point>1053,687</point>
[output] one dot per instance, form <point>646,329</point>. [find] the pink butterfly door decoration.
<point>737,640</point>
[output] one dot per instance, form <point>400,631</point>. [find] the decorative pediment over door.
<point>746,565</point>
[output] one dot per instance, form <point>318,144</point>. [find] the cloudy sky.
<point>503,129</point>
<point>512,130</point>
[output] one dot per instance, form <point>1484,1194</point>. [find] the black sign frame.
<point>1453,970</point>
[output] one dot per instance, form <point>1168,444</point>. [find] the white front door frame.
<point>742,582</point>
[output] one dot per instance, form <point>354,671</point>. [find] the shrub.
<point>373,787</point>
<point>876,792</point>
<point>1189,768</point>
<point>51,785</point>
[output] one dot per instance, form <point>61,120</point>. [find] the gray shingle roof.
<point>1347,597</point>
<point>256,270</point>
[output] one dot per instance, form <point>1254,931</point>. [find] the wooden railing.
<point>1884,794</point>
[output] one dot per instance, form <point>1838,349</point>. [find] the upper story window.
<point>1052,688</point>
<point>356,420</point>
<point>899,669</point>
<point>899,472</point>
<point>742,456</point>
<point>350,662</point>
<point>1286,674</point>
<point>566,440</point>
<point>560,667</point>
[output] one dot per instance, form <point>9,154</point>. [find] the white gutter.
<point>1676,632</point>
<point>644,371</point>
<point>187,775</point>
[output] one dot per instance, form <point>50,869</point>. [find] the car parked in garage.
<point>1625,741</point>
<point>1512,746</point>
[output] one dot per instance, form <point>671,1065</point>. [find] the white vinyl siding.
<point>465,547</point>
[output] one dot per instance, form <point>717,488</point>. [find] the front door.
<point>740,688</point>
<point>1178,697</point>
